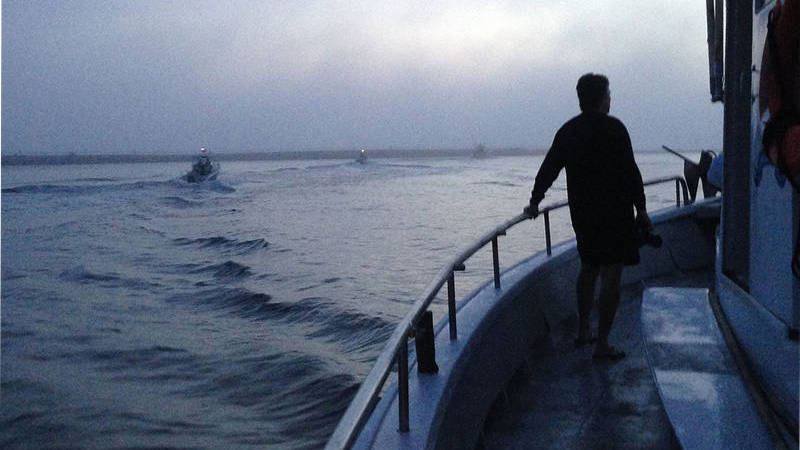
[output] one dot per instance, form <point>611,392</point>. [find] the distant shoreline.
<point>28,160</point>
<point>20,160</point>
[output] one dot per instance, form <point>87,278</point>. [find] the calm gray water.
<point>142,311</point>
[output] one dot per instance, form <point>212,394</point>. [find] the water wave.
<point>81,188</point>
<point>80,274</point>
<point>180,202</point>
<point>214,186</point>
<point>241,247</point>
<point>496,183</point>
<point>97,179</point>
<point>149,363</point>
<point>26,418</point>
<point>149,230</point>
<point>316,285</point>
<point>411,166</point>
<point>297,394</point>
<point>10,274</point>
<point>147,356</point>
<point>326,166</point>
<point>228,270</point>
<point>328,321</point>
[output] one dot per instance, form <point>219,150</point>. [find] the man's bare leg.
<point>610,288</point>
<point>587,279</point>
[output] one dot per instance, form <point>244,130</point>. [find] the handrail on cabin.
<point>357,414</point>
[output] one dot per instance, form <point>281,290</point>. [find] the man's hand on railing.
<point>531,210</point>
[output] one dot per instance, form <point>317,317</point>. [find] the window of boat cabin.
<point>736,141</point>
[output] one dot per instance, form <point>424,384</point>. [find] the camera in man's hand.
<point>643,235</point>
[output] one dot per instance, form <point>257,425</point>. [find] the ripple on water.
<point>226,270</point>
<point>220,242</point>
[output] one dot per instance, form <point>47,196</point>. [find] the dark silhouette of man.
<point>604,186</point>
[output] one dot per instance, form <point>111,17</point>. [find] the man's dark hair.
<point>592,89</point>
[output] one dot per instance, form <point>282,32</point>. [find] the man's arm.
<point>553,162</point>
<point>636,184</point>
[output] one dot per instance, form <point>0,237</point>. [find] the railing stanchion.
<point>685,190</point>
<point>496,263</point>
<point>547,231</point>
<point>678,194</point>
<point>402,384</point>
<point>451,305</point>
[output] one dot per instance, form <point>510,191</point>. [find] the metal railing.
<point>396,349</point>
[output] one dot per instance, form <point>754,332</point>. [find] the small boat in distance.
<point>203,169</point>
<point>362,157</point>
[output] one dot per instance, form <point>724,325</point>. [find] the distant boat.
<point>362,157</point>
<point>480,152</point>
<point>203,170</point>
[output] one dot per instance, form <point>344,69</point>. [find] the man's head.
<point>593,93</point>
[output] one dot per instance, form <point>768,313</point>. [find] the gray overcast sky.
<point>155,76</point>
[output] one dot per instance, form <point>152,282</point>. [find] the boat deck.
<point>565,399</point>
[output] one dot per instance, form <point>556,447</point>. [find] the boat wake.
<point>88,189</point>
<point>321,315</point>
<point>209,185</point>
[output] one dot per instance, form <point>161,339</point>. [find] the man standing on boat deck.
<point>603,185</point>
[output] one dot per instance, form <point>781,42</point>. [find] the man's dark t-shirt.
<point>603,185</point>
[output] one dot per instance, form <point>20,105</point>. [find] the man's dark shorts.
<point>608,243</point>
